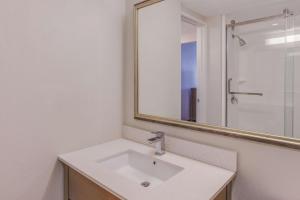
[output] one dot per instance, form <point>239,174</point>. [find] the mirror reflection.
<point>219,63</point>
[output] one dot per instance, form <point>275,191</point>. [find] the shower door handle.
<point>242,93</point>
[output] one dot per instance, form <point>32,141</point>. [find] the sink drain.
<point>145,184</point>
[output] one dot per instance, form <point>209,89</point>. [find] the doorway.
<point>193,70</point>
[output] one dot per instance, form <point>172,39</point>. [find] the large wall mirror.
<point>227,67</point>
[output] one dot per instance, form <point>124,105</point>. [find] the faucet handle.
<point>159,133</point>
<point>159,139</point>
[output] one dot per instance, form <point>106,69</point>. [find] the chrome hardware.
<point>145,184</point>
<point>241,93</point>
<point>234,100</point>
<point>159,140</point>
<point>285,13</point>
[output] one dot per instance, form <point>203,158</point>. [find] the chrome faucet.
<point>159,141</point>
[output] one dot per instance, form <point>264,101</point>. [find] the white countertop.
<point>198,181</point>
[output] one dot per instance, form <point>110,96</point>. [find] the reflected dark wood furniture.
<point>193,105</point>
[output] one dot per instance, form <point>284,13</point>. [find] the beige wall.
<point>265,172</point>
<point>61,88</point>
<point>214,70</point>
<point>152,34</point>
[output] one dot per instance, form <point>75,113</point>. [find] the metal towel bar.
<point>242,93</point>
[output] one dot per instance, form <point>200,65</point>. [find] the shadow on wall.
<point>54,189</point>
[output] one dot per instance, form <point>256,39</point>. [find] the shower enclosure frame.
<point>286,13</point>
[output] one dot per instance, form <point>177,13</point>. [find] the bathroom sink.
<point>141,169</point>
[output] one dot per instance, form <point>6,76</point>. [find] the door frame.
<point>201,110</point>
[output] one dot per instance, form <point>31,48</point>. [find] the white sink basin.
<point>142,169</point>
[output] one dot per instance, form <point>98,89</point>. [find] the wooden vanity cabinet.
<point>77,187</point>
<point>225,194</point>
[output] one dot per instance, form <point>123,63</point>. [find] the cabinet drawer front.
<point>80,188</point>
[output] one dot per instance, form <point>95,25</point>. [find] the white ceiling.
<point>216,7</point>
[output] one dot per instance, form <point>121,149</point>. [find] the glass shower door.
<point>259,73</point>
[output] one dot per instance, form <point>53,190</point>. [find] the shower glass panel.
<point>260,74</point>
<point>293,76</point>
<point>289,45</point>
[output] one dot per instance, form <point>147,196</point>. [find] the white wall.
<point>214,70</point>
<point>265,172</point>
<point>296,106</point>
<point>60,88</point>
<point>296,81</point>
<point>160,70</point>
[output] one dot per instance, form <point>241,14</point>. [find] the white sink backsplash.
<point>219,157</point>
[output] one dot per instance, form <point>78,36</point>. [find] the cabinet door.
<point>80,188</point>
<point>222,195</point>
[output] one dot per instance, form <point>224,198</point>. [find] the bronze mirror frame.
<point>235,133</point>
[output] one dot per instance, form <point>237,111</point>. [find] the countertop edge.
<point>95,181</point>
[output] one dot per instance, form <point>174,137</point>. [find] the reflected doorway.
<point>193,70</point>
